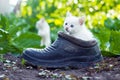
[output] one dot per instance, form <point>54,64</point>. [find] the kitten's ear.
<point>82,20</point>
<point>68,14</point>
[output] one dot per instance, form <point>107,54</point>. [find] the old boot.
<point>65,51</point>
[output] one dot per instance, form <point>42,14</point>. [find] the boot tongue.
<point>76,41</point>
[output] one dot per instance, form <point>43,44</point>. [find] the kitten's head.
<point>73,24</point>
<point>40,23</point>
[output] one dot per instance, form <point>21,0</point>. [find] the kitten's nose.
<point>67,29</point>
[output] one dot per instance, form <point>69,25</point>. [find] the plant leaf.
<point>103,35</point>
<point>115,42</point>
<point>27,40</point>
<point>4,41</point>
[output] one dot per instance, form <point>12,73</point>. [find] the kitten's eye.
<point>71,25</point>
<point>65,23</point>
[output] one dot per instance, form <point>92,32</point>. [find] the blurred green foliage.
<point>102,18</point>
<point>15,35</point>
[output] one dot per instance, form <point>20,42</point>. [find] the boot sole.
<point>69,62</point>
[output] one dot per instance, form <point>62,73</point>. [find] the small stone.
<point>20,70</point>
<point>100,77</point>
<point>42,73</point>
<point>2,76</point>
<point>41,69</point>
<point>15,68</point>
<point>29,67</point>
<point>7,61</point>
<point>96,67</point>
<point>47,71</point>
<point>71,77</point>
<point>86,78</point>
<point>13,62</point>
<point>55,75</point>
<point>110,65</point>
<point>61,75</point>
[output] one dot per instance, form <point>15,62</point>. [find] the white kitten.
<point>44,31</point>
<point>75,27</point>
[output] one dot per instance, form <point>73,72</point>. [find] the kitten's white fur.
<point>44,32</point>
<point>79,30</point>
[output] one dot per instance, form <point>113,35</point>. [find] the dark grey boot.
<point>65,51</point>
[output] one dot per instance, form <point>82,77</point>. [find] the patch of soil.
<point>11,68</point>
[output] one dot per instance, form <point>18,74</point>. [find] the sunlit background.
<point>18,19</point>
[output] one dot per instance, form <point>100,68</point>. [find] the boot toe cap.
<point>28,51</point>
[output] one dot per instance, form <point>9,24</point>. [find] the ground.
<point>11,68</point>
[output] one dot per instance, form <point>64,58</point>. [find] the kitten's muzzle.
<point>67,29</point>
